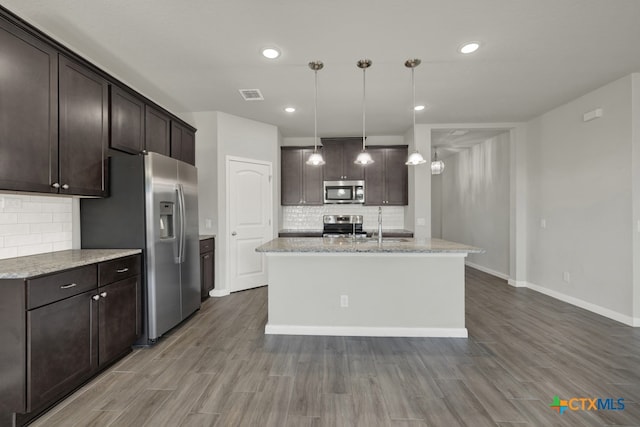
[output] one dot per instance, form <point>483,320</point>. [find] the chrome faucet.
<point>379,225</point>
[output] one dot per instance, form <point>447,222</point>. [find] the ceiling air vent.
<point>251,94</point>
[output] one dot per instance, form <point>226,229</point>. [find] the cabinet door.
<point>182,143</point>
<point>61,347</point>
<point>291,177</point>
<point>157,131</point>
<point>28,112</point>
<point>350,151</point>
<point>396,177</point>
<point>119,318</point>
<point>374,189</point>
<point>84,109</point>
<point>206,274</point>
<point>127,121</point>
<point>332,154</point>
<point>312,177</point>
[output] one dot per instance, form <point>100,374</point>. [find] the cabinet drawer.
<point>206,246</point>
<point>54,287</point>
<point>118,269</point>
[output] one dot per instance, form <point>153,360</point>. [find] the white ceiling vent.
<point>251,94</point>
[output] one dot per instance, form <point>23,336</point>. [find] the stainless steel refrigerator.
<point>153,205</point>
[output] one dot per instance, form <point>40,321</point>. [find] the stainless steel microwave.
<point>343,192</point>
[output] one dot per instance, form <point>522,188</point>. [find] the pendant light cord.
<point>413,107</point>
<point>364,86</point>
<point>315,115</point>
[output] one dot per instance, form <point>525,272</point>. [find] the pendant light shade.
<point>415,158</point>
<point>364,158</point>
<point>437,166</point>
<point>315,159</point>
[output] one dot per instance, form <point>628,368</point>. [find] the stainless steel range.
<point>343,225</point>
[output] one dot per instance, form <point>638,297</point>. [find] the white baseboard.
<point>365,331</point>
<point>517,283</point>
<point>611,314</point>
<point>487,270</point>
<point>216,293</point>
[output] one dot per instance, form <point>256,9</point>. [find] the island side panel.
<point>389,294</point>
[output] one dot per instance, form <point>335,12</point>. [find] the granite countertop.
<point>36,265</point>
<point>207,236</point>
<point>347,245</point>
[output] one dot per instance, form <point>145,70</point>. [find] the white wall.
<point>579,181</point>
<point>635,167</point>
<point>221,135</point>
<point>34,224</point>
<point>474,202</point>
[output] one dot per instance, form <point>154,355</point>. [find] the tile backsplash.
<point>34,224</point>
<point>310,217</point>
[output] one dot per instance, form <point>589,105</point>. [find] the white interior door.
<point>250,210</point>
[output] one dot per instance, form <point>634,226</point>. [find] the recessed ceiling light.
<point>271,53</point>
<point>469,47</point>
<point>419,107</point>
<point>290,109</point>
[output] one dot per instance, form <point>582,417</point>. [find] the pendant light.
<point>415,158</point>
<point>315,159</point>
<point>437,166</point>
<point>364,158</point>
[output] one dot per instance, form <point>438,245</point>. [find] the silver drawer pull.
<point>103,294</point>
<point>95,297</point>
<point>70,285</point>
<point>122,270</point>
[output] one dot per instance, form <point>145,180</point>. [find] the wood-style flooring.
<point>219,369</point>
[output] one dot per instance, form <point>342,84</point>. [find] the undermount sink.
<point>389,239</point>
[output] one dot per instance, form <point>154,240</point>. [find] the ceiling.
<point>194,55</point>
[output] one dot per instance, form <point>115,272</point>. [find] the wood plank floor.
<point>219,369</point>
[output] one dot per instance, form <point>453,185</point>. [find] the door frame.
<point>227,225</point>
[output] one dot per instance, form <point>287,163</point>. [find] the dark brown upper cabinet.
<point>28,112</point>
<point>339,155</point>
<point>157,131</point>
<point>84,133</point>
<point>386,180</point>
<point>183,143</point>
<point>301,184</point>
<point>126,121</point>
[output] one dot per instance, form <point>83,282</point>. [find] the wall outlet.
<point>566,277</point>
<point>344,301</point>
<point>543,223</point>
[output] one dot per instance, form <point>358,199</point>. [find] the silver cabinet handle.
<point>55,185</point>
<point>95,297</point>
<point>233,233</point>
<point>70,285</point>
<point>206,257</point>
<point>65,186</point>
<point>103,294</point>
<point>122,270</point>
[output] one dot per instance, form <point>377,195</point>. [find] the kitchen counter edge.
<point>346,245</point>
<point>37,265</point>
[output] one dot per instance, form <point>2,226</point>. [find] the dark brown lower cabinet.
<point>207,268</point>
<point>118,314</point>
<point>61,348</point>
<point>60,329</point>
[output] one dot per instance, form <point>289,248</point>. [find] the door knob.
<point>233,233</point>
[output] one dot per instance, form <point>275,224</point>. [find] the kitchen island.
<point>359,287</point>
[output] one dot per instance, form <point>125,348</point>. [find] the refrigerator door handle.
<point>183,230</point>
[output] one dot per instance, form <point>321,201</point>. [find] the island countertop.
<point>349,245</point>
<point>36,265</point>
